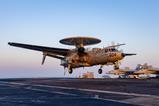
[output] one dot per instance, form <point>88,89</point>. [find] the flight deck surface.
<point>78,92</point>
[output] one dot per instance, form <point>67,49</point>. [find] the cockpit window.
<point>110,49</point>
<point>106,50</point>
<point>113,49</point>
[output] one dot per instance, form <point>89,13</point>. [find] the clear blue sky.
<point>45,22</point>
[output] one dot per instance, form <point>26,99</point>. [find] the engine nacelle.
<point>81,50</point>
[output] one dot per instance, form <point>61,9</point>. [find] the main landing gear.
<point>70,70</point>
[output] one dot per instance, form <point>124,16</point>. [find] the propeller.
<point>113,45</point>
<point>121,51</point>
<point>43,59</point>
<point>117,46</point>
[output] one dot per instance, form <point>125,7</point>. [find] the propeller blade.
<point>121,50</point>
<point>117,45</point>
<point>43,60</point>
<point>112,43</point>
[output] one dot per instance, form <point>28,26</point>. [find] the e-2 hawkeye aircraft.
<point>79,56</point>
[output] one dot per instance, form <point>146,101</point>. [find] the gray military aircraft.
<point>79,56</point>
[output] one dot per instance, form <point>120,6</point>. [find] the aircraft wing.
<point>58,51</point>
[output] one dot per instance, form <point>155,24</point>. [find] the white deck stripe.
<point>35,89</point>
<point>42,90</point>
<point>99,91</point>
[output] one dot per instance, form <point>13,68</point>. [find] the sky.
<point>45,22</point>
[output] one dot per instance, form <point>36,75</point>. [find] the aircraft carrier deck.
<point>79,92</point>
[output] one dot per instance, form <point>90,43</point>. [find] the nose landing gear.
<point>116,66</point>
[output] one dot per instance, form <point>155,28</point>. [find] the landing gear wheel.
<point>100,71</point>
<point>70,71</point>
<point>116,66</point>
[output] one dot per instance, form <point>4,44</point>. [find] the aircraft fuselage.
<point>95,57</point>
